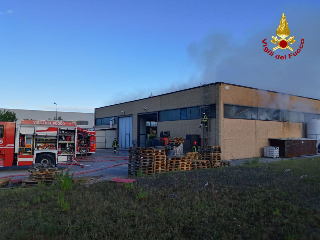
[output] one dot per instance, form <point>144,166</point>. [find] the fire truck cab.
<point>36,141</point>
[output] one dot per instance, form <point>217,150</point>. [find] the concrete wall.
<point>259,98</point>
<point>50,115</point>
<point>181,99</point>
<point>246,138</point>
<point>242,138</point>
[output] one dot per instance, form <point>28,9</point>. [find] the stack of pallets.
<point>200,164</point>
<point>176,141</point>
<point>141,159</point>
<point>150,160</point>
<point>134,161</point>
<point>173,163</point>
<point>40,172</point>
<point>212,154</point>
<point>178,163</point>
<point>146,160</point>
<point>159,164</point>
<point>185,164</point>
<point>193,155</point>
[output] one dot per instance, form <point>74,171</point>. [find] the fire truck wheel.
<point>45,158</point>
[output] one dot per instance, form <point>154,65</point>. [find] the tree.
<point>59,118</point>
<point>8,116</point>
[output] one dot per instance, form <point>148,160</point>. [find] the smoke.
<point>127,95</point>
<point>220,58</point>
<point>249,65</point>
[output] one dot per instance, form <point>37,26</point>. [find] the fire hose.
<point>94,170</point>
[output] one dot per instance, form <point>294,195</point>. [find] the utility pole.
<point>56,110</point>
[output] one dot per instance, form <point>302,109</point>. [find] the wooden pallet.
<point>4,181</point>
<point>185,167</point>
<point>173,161</point>
<point>160,170</point>
<point>147,155</point>
<point>160,151</point>
<point>173,169</point>
<point>216,165</point>
<point>225,163</point>
<point>200,164</point>
<point>193,155</point>
<point>159,161</point>
<point>27,182</point>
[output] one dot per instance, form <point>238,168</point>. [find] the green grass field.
<point>252,201</point>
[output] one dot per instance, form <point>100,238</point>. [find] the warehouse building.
<point>241,119</point>
<point>84,120</point>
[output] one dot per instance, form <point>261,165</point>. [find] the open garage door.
<point>125,132</point>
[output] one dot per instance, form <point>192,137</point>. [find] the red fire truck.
<point>36,141</point>
<point>86,141</point>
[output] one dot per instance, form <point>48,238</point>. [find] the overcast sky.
<point>87,54</point>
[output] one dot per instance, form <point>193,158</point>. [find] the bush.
<point>65,180</point>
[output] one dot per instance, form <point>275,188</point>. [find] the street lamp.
<point>56,110</point>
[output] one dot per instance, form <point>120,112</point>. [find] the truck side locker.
<point>7,132</point>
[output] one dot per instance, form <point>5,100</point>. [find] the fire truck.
<point>39,141</point>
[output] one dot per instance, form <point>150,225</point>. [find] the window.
<point>183,113</point>
<point>288,116</point>
<point>310,116</point>
<point>212,110</point>
<point>169,115</point>
<point>98,121</point>
<point>151,124</point>
<point>1,131</point>
<point>106,120</point>
<point>82,123</point>
<point>269,114</point>
<point>240,112</point>
<point>194,113</point>
<point>154,124</point>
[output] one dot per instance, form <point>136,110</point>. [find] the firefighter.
<point>115,145</point>
<point>204,121</point>
<point>194,147</point>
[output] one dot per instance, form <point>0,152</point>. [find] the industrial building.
<point>241,119</point>
<point>84,120</point>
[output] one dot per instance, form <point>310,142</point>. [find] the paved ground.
<point>101,159</point>
<point>102,164</point>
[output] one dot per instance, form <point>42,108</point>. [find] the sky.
<point>88,54</point>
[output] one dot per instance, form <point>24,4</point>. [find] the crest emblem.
<point>283,32</point>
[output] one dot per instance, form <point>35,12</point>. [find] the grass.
<point>253,201</point>
<point>252,162</point>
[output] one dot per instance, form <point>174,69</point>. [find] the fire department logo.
<point>283,32</point>
<point>283,41</point>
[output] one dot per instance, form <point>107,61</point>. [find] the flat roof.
<point>208,85</point>
<point>293,139</point>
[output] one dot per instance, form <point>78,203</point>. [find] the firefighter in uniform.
<point>115,145</point>
<point>194,147</point>
<point>204,121</point>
